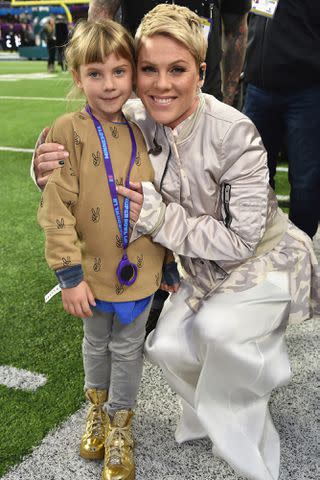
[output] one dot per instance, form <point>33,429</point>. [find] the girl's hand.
<point>135,195</point>
<point>170,288</point>
<point>77,300</point>
<point>48,156</point>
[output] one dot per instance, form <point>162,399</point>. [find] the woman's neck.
<point>188,113</point>
<point>184,129</point>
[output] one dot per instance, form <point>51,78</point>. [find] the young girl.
<point>104,281</point>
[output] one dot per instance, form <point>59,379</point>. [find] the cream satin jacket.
<point>217,211</point>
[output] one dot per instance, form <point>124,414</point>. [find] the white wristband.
<point>52,293</point>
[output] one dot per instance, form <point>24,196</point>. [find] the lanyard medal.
<point>126,271</point>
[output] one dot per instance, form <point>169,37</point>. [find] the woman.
<point>220,338</point>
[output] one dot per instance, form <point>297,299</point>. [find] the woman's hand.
<point>77,300</point>
<point>135,195</point>
<point>48,156</point>
<point>170,281</point>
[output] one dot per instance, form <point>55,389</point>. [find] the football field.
<point>41,376</point>
<point>34,337</point>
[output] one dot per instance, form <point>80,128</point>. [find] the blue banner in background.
<point>19,10</point>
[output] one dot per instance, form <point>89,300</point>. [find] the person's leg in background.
<point>60,59</point>
<point>51,55</point>
<point>265,109</point>
<point>303,146</point>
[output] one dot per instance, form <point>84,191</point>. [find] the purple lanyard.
<point>123,227</point>
<point>126,271</point>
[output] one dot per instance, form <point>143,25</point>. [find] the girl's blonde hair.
<point>178,23</point>
<point>92,41</point>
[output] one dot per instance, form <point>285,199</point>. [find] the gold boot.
<point>118,460</point>
<point>92,442</point>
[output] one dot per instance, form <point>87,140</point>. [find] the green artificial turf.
<point>34,336</point>
<point>282,185</point>
<point>22,119</point>
<point>10,66</point>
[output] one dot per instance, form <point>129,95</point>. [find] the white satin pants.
<point>224,361</point>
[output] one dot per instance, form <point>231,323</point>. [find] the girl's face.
<point>167,79</point>
<point>107,86</point>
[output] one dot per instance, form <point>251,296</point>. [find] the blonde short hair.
<point>178,23</point>
<point>92,41</point>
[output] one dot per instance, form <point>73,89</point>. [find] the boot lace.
<point>117,439</point>
<point>95,422</point>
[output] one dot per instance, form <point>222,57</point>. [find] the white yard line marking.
<point>283,197</point>
<point>12,149</point>
<point>282,169</point>
<point>14,77</point>
<point>18,378</point>
<point>51,99</point>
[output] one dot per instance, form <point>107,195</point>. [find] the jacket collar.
<point>188,126</point>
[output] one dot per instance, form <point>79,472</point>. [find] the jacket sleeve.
<point>234,237</point>
<point>59,199</point>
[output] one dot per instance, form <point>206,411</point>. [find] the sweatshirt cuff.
<point>170,274</point>
<point>69,277</point>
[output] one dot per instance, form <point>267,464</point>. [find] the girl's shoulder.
<point>71,125</point>
<point>70,119</point>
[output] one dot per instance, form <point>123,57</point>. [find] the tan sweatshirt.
<point>76,209</point>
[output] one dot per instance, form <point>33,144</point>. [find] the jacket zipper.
<point>165,169</point>
<point>226,204</point>
<point>166,166</point>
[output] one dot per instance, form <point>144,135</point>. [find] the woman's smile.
<point>162,100</point>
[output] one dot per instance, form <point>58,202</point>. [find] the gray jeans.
<point>113,357</point>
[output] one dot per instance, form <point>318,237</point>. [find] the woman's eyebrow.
<point>179,60</point>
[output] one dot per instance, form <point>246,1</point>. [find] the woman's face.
<point>167,79</point>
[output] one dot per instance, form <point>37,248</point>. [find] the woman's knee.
<point>214,324</point>
<point>153,349</point>
<point>161,348</point>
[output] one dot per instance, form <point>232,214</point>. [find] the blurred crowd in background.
<point>25,26</point>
